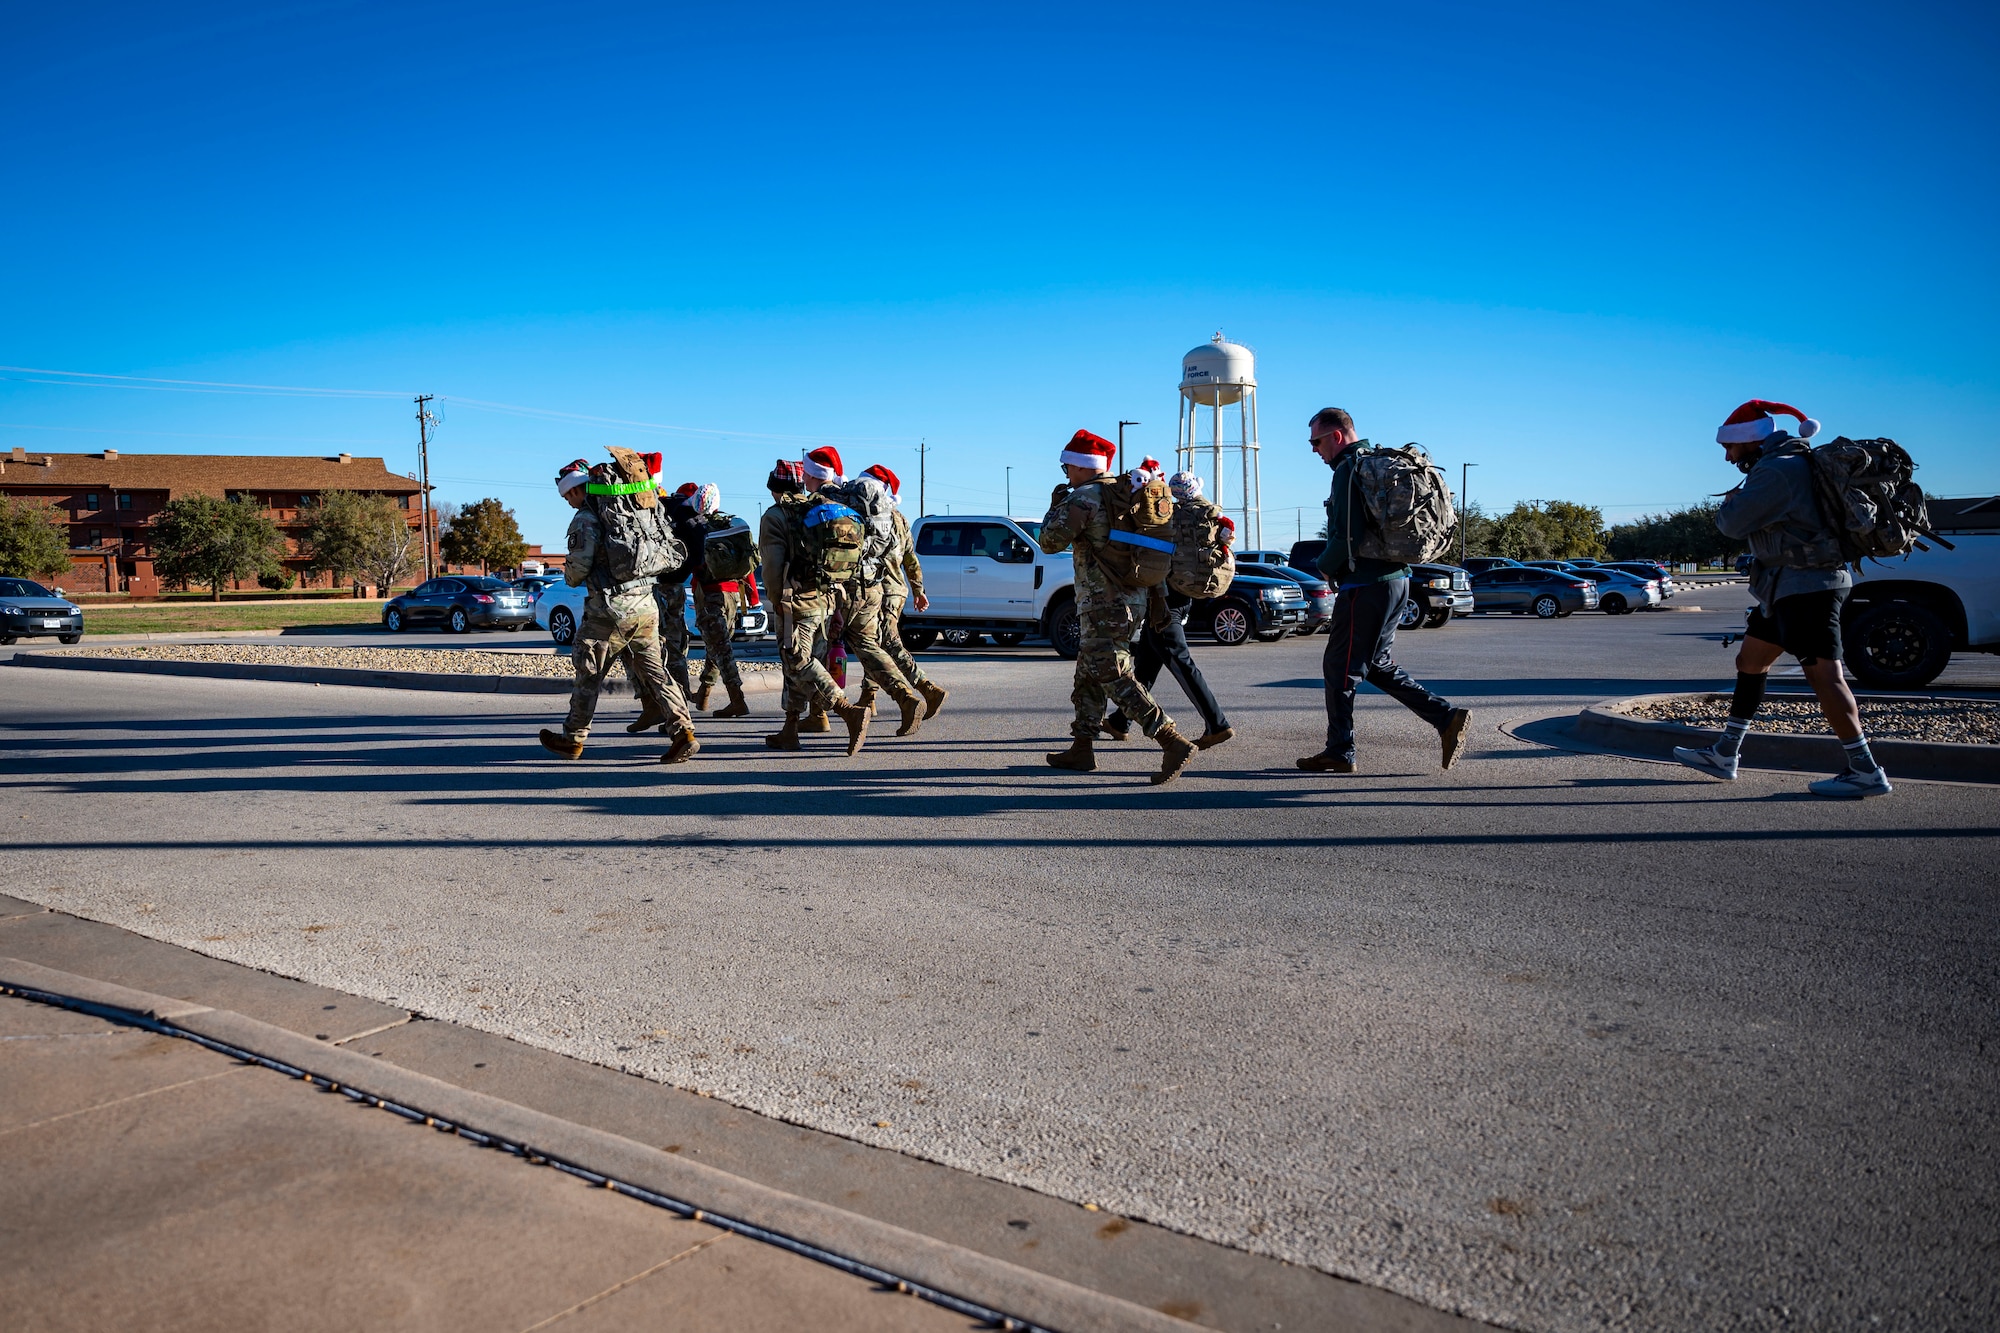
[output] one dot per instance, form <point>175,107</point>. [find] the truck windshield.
<point>1034,530</point>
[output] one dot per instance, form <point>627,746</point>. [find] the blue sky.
<point>1559,241</point>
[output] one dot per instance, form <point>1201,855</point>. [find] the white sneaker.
<point>1709,761</point>
<point>1852,784</point>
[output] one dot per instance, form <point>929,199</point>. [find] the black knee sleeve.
<point>1749,695</point>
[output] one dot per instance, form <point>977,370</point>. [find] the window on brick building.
<point>93,536</point>
<point>90,500</point>
<point>124,500</point>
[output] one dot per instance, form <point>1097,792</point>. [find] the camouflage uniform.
<point>617,622</point>
<point>671,601</point>
<point>1107,613</point>
<point>801,615</point>
<point>715,613</point>
<point>902,579</point>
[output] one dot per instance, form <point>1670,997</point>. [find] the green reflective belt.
<point>622,488</point>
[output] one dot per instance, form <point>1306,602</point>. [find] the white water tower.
<point>1216,376</point>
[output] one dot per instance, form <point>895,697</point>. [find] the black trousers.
<point>1359,638</point>
<point>1169,648</point>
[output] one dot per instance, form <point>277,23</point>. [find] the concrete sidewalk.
<point>153,1181</point>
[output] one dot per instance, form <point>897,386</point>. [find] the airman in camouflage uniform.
<point>799,609</point>
<point>1108,614</point>
<point>902,581</point>
<point>716,606</point>
<point>617,621</point>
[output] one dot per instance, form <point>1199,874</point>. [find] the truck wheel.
<point>920,640</point>
<point>961,638</point>
<point>1010,640</point>
<point>1230,623</point>
<point>1064,630</point>
<point>1897,646</point>
<point>1413,614</point>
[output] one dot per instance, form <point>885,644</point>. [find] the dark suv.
<point>1264,605</point>
<point>460,603</point>
<point>1437,592</point>
<point>1319,593</point>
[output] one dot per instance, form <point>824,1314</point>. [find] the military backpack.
<point>876,507</point>
<point>1867,498</point>
<point>1141,548</point>
<point>729,552</point>
<point>639,542</point>
<point>1407,507</point>
<point>825,539</point>
<point>1202,564</point>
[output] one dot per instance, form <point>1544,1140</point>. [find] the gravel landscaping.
<point>1962,721</point>
<point>444,661</point>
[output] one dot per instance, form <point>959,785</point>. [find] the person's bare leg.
<point>1829,682</point>
<point>1720,760</point>
<point>1756,657</point>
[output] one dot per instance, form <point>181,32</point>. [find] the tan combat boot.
<point>1210,739</point>
<point>867,699</point>
<point>856,718</point>
<point>815,721</point>
<point>1078,758</point>
<point>555,742</point>
<point>684,748</point>
<point>934,697</point>
<point>650,716</point>
<point>699,699</point>
<point>1176,753</point>
<point>1115,727</point>
<point>913,714</point>
<point>787,736</point>
<point>736,707</point>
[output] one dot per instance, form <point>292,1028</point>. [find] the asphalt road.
<point>1560,1041</point>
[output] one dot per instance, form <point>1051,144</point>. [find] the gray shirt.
<point>1791,548</point>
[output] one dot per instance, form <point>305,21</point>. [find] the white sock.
<point>1733,732</point>
<point>1859,759</point>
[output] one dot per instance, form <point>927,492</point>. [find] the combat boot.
<point>787,736</point>
<point>867,699</point>
<point>1115,727</point>
<point>856,718</point>
<point>934,697</point>
<point>737,707</point>
<point>1176,753</point>
<point>699,699</point>
<point>684,748</point>
<point>1210,739</point>
<point>1078,758</point>
<point>650,716</point>
<point>913,714</point>
<point>555,742</point>
<point>815,721</point>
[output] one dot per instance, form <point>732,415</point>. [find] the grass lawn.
<point>156,618</point>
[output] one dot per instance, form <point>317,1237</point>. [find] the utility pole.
<point>424,420</point>
<point>923,451</point>
<point>1010,494</point>
<point>1121,441</point>
<point>1464,477</point>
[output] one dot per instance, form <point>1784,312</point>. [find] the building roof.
<point>211,474</point>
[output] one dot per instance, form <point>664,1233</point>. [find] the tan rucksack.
<point>1141,549</point>
<point>1410,518</point>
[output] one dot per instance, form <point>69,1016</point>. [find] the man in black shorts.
<point>1800,583</point>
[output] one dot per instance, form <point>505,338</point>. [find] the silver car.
<point>28,610</point>
<point>1620,592</point>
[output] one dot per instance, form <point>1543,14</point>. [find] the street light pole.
<point>1464,499</point>
<point>1121,441</point>
<point>1010,494</point>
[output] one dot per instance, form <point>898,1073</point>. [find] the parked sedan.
<point>28,610</point>
<point>560,611</point>
<point>1319,593</point>
<point>1619,593</point>
<point>1646,569</point>
<point>1522,588</point>
<point>460,603</point>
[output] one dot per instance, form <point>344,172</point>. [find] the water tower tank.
<point>1216,373</point>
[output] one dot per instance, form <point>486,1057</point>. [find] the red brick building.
<point>111,499</point>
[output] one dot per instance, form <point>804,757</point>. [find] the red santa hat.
<point>1752,422</point>
<point>654,462</point>
<point>1091,451</point>
<point>886,477</point>
<point>824,464</point>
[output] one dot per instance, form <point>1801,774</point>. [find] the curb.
<point>615,684</point>
<point>1604,725</point>
<point>948,1275</point>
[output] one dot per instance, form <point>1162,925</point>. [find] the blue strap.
<point>1140,539</point>
<point>829,513</point>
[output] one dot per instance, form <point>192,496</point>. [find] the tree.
<point>200,539</point>
<point>483,534</point>
<point>1684,534</point>
<point>34,539</point>
<point>387,548</point>
<point>338,535</point>
<point>1576,530</point>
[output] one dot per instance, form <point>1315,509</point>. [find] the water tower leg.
<point>1215,423</point>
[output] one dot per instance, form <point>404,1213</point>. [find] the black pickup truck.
<point>1437,592</point>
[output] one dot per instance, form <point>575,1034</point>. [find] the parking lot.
<point>1559,1040</point>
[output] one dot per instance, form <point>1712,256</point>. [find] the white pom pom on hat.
<point>1752,422</point>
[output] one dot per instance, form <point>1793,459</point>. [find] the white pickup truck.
<point>1907,617</point>
<point>984,574</point>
